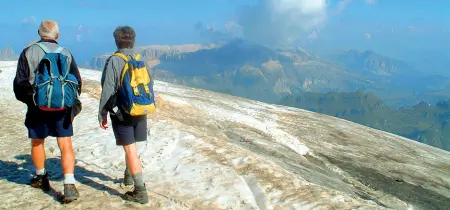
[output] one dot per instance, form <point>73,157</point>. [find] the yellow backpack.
<point>135,94</point>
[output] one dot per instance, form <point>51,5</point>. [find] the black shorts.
<point>130,130</point>
<point>42,124</point>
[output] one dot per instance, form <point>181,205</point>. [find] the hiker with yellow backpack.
<point>127,94</point>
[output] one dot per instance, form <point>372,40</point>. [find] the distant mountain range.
<point>248,70</point>
<point>8,54</point>
<point>364,87</point>
<point>370,63</point>
<point>153,53</point>
<point>253,71</point>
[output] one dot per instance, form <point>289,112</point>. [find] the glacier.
<point>196,157</point>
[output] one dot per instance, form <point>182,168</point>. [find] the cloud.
<point>313,35</point>
<point>78,37</point>
<point>210,33</point>
<point>234,29</point>
<point>231,25</point>
<point>368,36</point>
<point>29,20</point>
<point>370,1</point>
<point>80,27</point>
<point>279,22</point>
<point>342,5</point>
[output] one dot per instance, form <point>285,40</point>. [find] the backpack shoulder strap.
<point>125,68</point>
<point>46,50</point>
<point>121,55</point>
<point>43,47</point>
<point>59,49</point>
<point>134,57</point>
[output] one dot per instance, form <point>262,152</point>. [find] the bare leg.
<point>67,154</point>
<point>38,153</point>
<point>40,180</point>
<point>132,159</point>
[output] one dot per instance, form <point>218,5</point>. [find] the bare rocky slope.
<point>213,151</point>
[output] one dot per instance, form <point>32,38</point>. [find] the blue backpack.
<point>54,87</point>
<point>136,95</point>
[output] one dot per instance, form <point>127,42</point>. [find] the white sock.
<point>69,179</point>
<point>40,171</point>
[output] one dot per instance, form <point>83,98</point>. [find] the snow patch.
<point>184,170</point>
<point>173,99</point>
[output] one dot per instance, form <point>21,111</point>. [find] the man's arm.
<point>108,82</point>
<point>73,69</point>
<point>21,85</point>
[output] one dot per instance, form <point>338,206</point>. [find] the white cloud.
<point>342,5</point>
<point>30,19</point>
<point>275,22</point>
<point>78,37</point>
<point>210,33</point>
<point>80,27</point>
<point>368,35</point>
<point>231,25</point>
<point>234,29</point>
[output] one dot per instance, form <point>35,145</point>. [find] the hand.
<point>103,124</point>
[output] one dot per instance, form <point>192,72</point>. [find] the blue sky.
<point>415,30</point>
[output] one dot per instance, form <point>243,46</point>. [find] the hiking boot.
<point>41,181</point>
<point>127,179</point>
<point>139,195</point>
<point>70,193</point>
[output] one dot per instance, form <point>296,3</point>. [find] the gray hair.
<point>48,29</point>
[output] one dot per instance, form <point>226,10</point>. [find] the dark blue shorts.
<point>42,124</point>
<point>129,130</point>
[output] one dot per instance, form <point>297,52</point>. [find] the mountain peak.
<point>370,63</point>
<point>422,104</point>
<point>7,54</point>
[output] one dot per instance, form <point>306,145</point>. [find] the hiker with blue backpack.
<point>48,82</point>
<point>127,94</point>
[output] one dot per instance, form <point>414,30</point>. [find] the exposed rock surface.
<point>214,151</point>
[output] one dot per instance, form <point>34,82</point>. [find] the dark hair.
<point>125,37</point>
